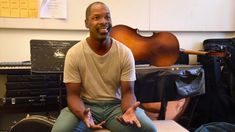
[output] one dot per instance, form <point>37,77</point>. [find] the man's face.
<point>99,21</point>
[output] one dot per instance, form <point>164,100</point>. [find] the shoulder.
<point>76,49</point>
<point>120,45</point>
<point>122,50</point>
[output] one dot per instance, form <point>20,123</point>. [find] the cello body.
<point>160,49</point>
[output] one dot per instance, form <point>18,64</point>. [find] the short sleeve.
<point>71,69</point>
<point>128,67</point>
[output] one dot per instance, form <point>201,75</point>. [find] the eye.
<point>107,17</point>
<point>96,18</point>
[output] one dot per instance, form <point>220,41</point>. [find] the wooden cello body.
<point>160,49</point>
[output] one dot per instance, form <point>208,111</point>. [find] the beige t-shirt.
<point>99,76</point>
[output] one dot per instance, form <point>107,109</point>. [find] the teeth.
<point>104,30</point>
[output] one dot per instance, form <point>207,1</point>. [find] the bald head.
<point>88,10</point>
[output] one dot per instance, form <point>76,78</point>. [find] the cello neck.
<point>193,52</point>
<point>212,53</point>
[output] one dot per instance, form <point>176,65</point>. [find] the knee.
<point>62,128</point>
<point>146,123</point>
<point>57,128</point>
<point>66,122</point>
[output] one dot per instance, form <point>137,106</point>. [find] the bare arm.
<point>74,101</point>
<point>128,96</point>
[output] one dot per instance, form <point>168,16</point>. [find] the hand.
<point>89,122</point>
<point>129,117</point>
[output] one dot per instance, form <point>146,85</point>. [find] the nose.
<point>104,20</point>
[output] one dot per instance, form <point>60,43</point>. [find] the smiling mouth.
<point>104,30</point>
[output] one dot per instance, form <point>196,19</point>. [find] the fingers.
<point>121,120</point>
<point>101,123</point>
<point>137,123</point>
<point>89,120</point>
<point>94,127</point>
<point>98,126</point>
<point>134,122</point>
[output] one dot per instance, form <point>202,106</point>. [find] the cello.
<point>160,49</point>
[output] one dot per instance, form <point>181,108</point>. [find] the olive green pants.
<point>102,111</point>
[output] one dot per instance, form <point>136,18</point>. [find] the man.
<point>99,75</point>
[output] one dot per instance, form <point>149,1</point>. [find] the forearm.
<point>128,95</point>
<point>127,101</point>
<point>74,101</point>
<point>76,105</point>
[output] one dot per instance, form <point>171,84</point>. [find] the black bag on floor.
<point>219,75</point>
<point>228,62</point>
<point>216,127</point>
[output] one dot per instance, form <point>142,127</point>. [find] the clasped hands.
<point>128,118</point>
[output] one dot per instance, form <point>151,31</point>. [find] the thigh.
<point>146,123</point>
<point>66,122</point>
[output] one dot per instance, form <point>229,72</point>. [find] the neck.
<point>99,46</point>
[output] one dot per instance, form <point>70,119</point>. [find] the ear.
<point>86,23</point>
